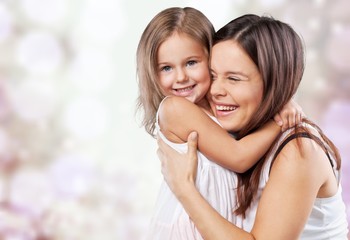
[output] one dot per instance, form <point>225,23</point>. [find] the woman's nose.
<point>217,88</point>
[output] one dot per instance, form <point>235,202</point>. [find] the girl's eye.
<point>165,69</point>
<point>191,63</point>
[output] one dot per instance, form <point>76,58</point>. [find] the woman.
<point>256,65</point>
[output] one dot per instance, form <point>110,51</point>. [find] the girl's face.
<point>183,68</point>
<point>237,87</point>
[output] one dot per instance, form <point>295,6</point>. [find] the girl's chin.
<point>192,99</point>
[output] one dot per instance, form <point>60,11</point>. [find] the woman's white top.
<point>327,220</point>
<point>215,183</point>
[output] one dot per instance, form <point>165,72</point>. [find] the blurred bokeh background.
<point>74,163</point>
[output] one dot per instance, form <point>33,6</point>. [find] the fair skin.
<point>296,178</point>
<point>244,84</point>
<point>183,72</point>
<point>183,68</point>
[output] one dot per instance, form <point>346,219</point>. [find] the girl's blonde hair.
<point>186,20</point>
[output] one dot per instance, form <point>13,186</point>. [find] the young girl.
<point>172,60</point>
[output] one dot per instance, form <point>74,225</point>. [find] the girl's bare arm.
<point>178,117</point>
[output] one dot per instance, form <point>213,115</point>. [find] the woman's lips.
<point>224,110</point>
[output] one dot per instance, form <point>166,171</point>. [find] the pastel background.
<point>74,163</point>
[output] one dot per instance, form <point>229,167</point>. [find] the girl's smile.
<point>183,67</point>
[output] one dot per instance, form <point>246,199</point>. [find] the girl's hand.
<point>290,115</point>
<point>178,169</point>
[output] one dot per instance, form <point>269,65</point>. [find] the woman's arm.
<point>299,174</point>
<point>295,181</point>
<point>179,171</point>
<point>178,117</point>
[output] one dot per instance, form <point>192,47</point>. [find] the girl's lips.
<point>184,92</point>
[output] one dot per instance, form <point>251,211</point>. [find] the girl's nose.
<point>181,76</point>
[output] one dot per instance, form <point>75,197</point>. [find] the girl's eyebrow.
<point>163,63</point>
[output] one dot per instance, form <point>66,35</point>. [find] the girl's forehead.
<point>181,43</point>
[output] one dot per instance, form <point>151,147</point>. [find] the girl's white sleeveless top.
<point>327,220</point>
<point>215,183</point>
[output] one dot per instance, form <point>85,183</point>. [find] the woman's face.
<point>237,87</point>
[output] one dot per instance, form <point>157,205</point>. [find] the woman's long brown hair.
<point>277,51</point>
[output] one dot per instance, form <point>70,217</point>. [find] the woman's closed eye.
<point>212,76</point>
<point>234,78</point>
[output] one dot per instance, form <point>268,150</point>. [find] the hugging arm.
<point>179,171</point>
<point>295,180</point>
<point>290,115</point>
<point>286,201</point>
<point>178,117</point>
